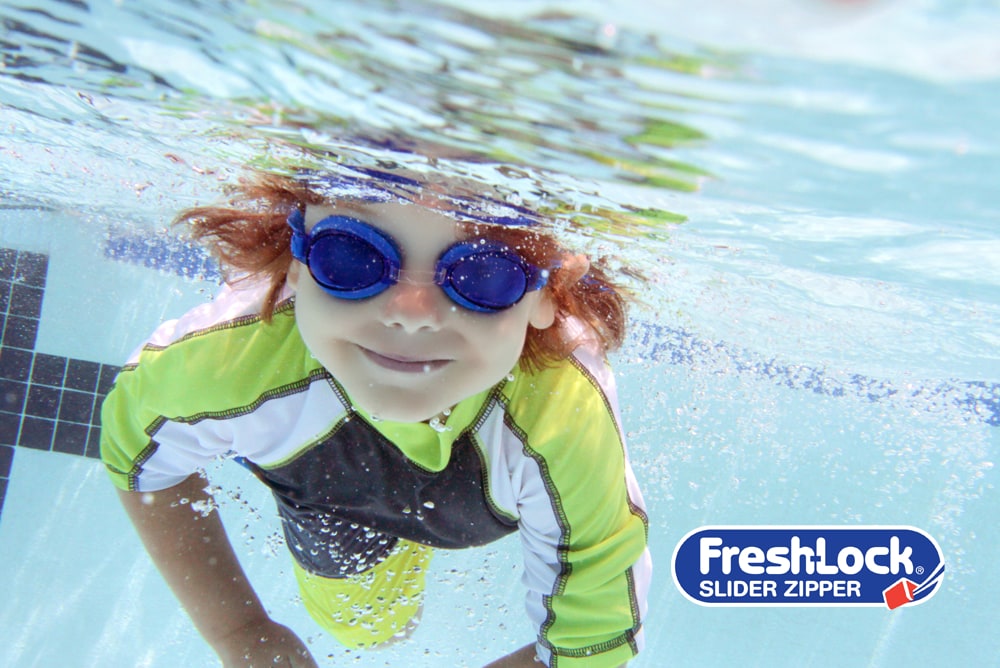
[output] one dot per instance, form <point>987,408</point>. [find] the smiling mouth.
<point>403,363</point>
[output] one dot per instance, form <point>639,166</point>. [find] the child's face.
<point>409,352</point>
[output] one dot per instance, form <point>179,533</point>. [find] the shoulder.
<point>215,350</point>
<point>573,400</point>
<point>585,371</point>
<point>230,310</point>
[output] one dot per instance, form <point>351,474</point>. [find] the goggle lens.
<point>342,261</point>
<point>488,280</point>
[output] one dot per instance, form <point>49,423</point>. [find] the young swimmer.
<point>403,380</point>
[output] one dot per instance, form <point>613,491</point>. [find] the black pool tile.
<point>43,402</point>
<point>5,287</point>
<point>15,364</point>
<point>26,301</point>
<point>20,332</point>
<point>37,433</point>
<point>48,370</point>
<point>76,407</point>
<point>82,375</point>
<point>31,269</point>
<point>12,394</point>
<point>70,438</point>
<point>98,404</point>
<point>108,374</point>
<point>8,260</point>
<point>10,424</point>
<point>3,492</point>
<point>94,443</point>
<point>6,460</point>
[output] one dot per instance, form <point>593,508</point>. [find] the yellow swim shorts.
<point>368,609</point>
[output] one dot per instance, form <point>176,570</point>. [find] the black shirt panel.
<point>344,501</point>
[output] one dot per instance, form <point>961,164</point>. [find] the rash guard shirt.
<point>539,453</point>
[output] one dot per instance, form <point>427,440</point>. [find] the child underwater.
<point>404,377</point>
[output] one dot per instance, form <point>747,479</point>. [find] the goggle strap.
<point>539,277</point>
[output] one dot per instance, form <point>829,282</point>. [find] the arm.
<point>581,519</point>
<point>196,559</point>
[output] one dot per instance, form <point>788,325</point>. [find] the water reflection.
<point>296,84</point>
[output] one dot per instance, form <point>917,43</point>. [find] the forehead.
<point>403,218</point>
<point>395,218</point>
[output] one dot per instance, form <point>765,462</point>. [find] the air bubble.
<point>437,425</point>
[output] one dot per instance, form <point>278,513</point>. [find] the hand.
<point>263,644</point>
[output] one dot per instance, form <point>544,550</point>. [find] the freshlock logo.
<point>807,566</point>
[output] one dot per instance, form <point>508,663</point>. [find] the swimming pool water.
<point>817,346</point>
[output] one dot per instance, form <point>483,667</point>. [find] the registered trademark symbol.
<point>919,570</point>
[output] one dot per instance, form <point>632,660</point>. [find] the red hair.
<point>250,237</point>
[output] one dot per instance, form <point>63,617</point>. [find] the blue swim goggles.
<point>351,259</point>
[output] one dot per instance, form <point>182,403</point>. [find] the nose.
<point>414,306</point>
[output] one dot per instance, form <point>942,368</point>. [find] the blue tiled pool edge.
<point>977,400</point>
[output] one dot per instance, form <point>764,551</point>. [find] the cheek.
<point>292,276</point>
<point>319,316</point>
<point>500,338</point>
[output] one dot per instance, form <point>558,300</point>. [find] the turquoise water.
<point>806,187</point>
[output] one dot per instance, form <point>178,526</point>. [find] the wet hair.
<point>250,238</point>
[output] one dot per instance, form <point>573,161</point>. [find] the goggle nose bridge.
<point>419,276</point>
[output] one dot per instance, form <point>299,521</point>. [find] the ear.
<point>543,314</point>
<point>571,269</point>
